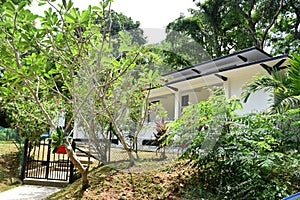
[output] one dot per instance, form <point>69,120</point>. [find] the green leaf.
<point>96,8</point>
<point>52,71</point>
<point>47,75</point>
<point>9,5</point>
<point>85,16</point>
<point>69,18</point>
<point>106,3</point>
<point>41,3</point>
<point>74,13</point>
<point>5,91</point>
<point>70,4</point>
<point>64,4</point>
<point>22,5</point>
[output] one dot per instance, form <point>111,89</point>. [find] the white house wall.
<point>257,102</point>
<point>237,79</point>
<point>167,103</point>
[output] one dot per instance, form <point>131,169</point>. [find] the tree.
<point>215,27</point>
<point>14,1</point>
<point>120,22</point>
<point>4,116</point>
<point>260,17</point>
<point>69,62</point>
<point>285,87</point>
<point>222,27</point>
<point>285,33</point>
<point>178,51</point>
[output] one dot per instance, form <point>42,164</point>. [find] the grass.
<point>7,147</point>
<point>9,162</point>
<point>146,161</point>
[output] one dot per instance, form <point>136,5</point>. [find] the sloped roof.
<point>220,69</point>
<point>239,59</point>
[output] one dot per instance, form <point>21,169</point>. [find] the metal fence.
<point>144,151</point>
<point>41,163</point>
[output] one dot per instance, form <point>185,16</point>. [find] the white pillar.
<point>177,105</point>
<point>227,88</point>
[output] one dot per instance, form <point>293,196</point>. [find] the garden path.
<point>29,192</point>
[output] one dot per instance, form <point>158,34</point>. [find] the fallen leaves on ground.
<point>109,183</point>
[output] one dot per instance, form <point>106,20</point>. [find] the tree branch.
<point>264,35</point>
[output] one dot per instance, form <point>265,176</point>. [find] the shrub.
<point>7,134</point>
<point>256,159</point>
<point>255,156</point>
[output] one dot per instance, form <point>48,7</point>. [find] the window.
<point>185,100</point>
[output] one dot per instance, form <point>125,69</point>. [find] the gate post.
<point>24,160</point>
<point>71,179</point>
<point>48,157</point>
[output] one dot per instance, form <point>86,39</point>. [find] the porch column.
<point>177,105</point>
<point>227,88</point>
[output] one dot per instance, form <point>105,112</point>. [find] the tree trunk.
<point>131,158</point>
<point>136,147</point>
<point>79,166</point>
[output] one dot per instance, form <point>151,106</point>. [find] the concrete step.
<point>45,182</point>
<point>84,160</point>
<point>83,154</point>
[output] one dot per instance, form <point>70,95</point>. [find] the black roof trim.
<point>220,58</point>
<point>223,78</point>
<point>228,68</point>
<point>196,71</point>
<point>244,59</point>
<point>266,67</point>
<point>173,88</point>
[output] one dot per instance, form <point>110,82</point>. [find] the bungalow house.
<point>191,85</point>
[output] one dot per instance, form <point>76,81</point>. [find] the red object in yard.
<point>61,149</point>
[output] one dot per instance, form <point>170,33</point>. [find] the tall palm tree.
<point>283,85</point>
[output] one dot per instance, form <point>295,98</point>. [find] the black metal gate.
<point>41,163</point>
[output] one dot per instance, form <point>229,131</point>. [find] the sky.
<point>154,15</point>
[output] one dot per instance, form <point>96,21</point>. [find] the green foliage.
<point>221,27</point>
<point>7,134</point>
<point>257,159</point>
<point>241,157</point>
<point>194,121</point>
<point>178,51</point>
<point>161,128</point>
<point>16,1</point>
<point>48,63</point>
<point>120,22</point>
<point>286,39</point>
<point>218,26</point>
<point>283,85</point>
<point>58,138</point>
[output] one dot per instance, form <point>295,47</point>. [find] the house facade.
<point>192,85</point>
